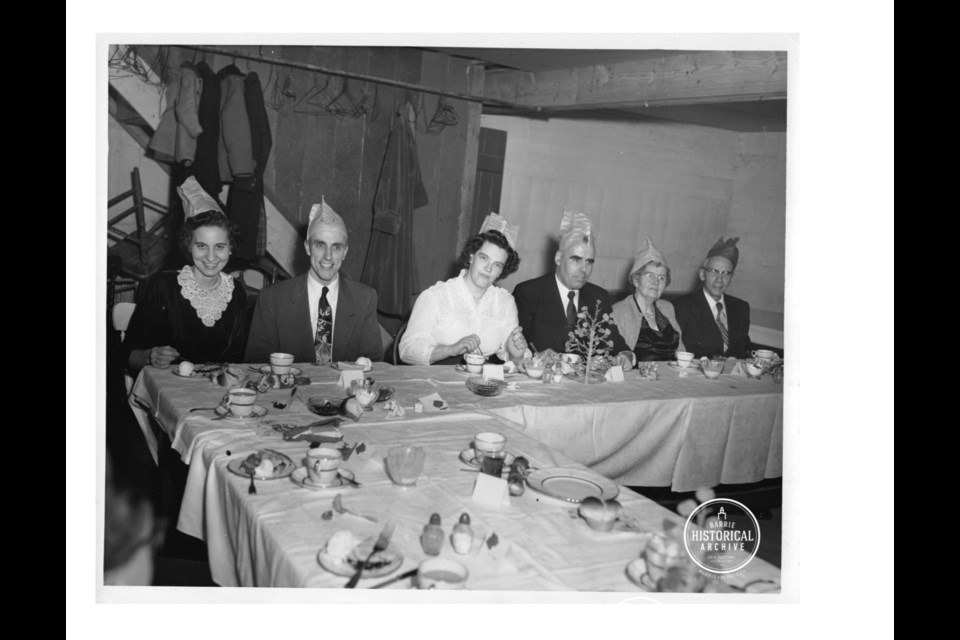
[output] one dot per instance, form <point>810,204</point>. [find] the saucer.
<point>351,366</point>
<point>266,369</point>
<point>462,368</point>
<point>694,366</point>
<point>256,413</point>
<point>469,457</point>
<point>302,478</point>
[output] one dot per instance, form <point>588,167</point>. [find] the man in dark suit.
<point>319,316</point>
<point>711,322</point>
<point>548,305</point>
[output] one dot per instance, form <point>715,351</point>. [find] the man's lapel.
<point>299,323</point>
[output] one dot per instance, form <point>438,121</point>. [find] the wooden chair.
<point>150,243</point>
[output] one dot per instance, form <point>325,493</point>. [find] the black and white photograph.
<point>421,319</point>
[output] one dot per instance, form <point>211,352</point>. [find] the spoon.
<point>253,487</point>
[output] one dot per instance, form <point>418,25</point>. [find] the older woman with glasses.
<point>647,323</point>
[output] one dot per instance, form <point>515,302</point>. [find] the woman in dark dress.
<point>647,323</point>
<point>197,313</point>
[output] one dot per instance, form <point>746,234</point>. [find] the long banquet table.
<point>272,538</point>
<point>683,432</point>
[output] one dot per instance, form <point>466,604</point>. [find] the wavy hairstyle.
<point>207,219</point>
<point>495,238</point>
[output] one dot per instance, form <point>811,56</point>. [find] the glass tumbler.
<point>404,465</point>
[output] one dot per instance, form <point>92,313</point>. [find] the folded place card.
<point>491,491</point>
<point>493,371</point>
<point>738,370</point>
<point>347,377</point>
<point>614,374</point>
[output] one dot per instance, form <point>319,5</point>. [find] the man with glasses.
<point>712,322</point>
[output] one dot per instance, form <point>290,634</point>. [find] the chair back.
<point>122,312</point>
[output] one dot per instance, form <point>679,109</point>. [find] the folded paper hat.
<point>324,214</point>
<point>574,227</point>
<point>496,222</point>
<point>649,254</point>
<point>726,249</point>
<point>195,199</point>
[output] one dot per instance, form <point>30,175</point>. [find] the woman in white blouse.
<point>468,312</point>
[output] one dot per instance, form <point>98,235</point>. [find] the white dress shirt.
<point>447,312</point>
<point>314,293</point>
<point>564,292</point>
<point>713,303</point>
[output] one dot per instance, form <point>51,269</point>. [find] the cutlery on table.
<point>382,543</point>
<point>402,576</point>
<point>253,487</point>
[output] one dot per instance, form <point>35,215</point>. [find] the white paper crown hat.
<point>649,254</point>
<point>195,199</point>
<point>574,227</point>
<point>324,213</point>
<point>496,222</point>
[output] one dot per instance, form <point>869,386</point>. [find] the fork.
<point>382,543</point>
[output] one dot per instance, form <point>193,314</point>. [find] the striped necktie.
<point>722,324</point>
<point>571,310</point>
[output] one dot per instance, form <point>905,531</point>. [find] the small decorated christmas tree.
<point>590,338</point>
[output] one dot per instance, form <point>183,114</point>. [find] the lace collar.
<point>208,303</point>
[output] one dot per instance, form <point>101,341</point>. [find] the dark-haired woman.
<point>468,312</point>
<point>197,313</point>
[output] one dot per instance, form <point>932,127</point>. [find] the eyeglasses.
<point>718,272</point>
<point>651,277</point>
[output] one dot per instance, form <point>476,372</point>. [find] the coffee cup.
<point>240,401</point>
<point>441,573</point>
<point>474,362</point>
<point>323,464</point>
<point>280,363</point>
<point>684,358</point>
<point>487,443</point>
<point>763,354</point>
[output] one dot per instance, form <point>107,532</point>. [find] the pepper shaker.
<point>432,537</point>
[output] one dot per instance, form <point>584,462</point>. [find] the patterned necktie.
<point>722,323</point>
<point>571,310</point>
<point>322,342</point>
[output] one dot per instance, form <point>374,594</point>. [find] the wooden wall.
<point>682,185</point>
<point>340,157</point>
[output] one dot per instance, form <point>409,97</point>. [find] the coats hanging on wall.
<point>206,165</point>
<point>390,267</point>
<point>175,139</point>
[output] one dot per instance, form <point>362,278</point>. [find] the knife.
<point>402,576</point>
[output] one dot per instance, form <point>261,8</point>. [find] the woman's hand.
<point>465,344</point>
<point>161,357</point>
<point>516,344</point>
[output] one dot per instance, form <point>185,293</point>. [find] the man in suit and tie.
<point>320,316</point>
<point>548,305</point>
<point>714,323</point>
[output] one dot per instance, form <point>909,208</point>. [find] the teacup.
<point>684,358</point>
<point>441,573</point>
<point>323,464</point>
<point>474,362</point>
<point>280,363</point>
<point>240,401</point>
<point>763,354</point>
<point>487,443</point>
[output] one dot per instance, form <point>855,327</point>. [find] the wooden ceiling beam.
<point>678,79</point>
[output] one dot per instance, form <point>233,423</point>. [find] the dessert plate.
<point>572,485</point>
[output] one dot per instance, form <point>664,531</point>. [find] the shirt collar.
<point>564,291</point>
<point>317,286</point>
<point>712,302</point>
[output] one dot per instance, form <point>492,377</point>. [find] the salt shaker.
<point>462,536</point>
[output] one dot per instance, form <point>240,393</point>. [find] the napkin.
<point>322,431</point>
<point>428,403</point>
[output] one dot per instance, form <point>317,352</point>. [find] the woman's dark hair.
<point>495,238</point>
<point>207,219</point>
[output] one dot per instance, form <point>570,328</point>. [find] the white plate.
<point>302,478</point>
<point>392,559</point>
<point>287,469</point>
<point>462,368</point>
<point>195,375</point>
<point>694,366</point>
<point>256,413</point>
<point>350,366</point>
<point>469,457</point>
<point>572,485</point>
<point>266,369</point>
